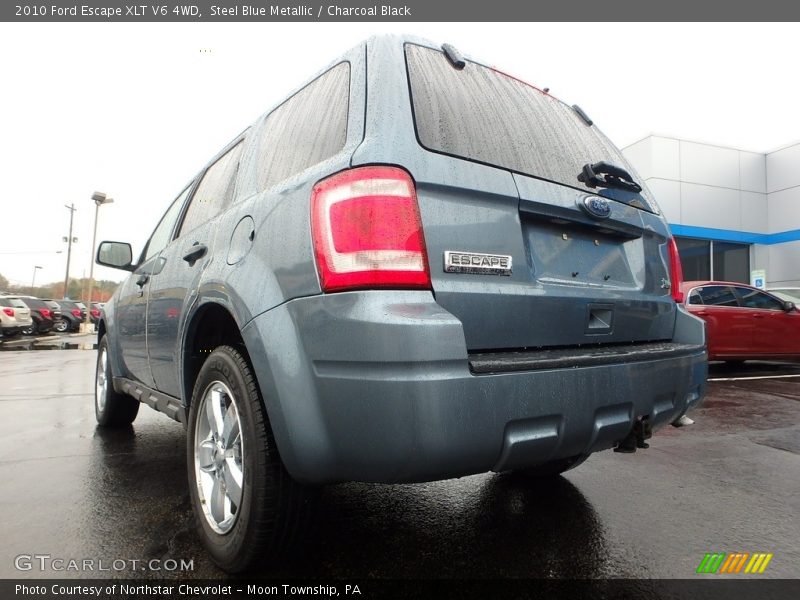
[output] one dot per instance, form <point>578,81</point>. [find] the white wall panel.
<point>783,168</point>
<point>784,210</point>
<point>706,206</point>
<point>668,196</point>
<point>753,172</point>
<point>709,165</point>
<point>760,259</point>
<point>784,263</point>
<point>666,162</point>
<point>754,212</point>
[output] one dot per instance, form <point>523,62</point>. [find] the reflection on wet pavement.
<point>49,342</point>
<point>727,483</point>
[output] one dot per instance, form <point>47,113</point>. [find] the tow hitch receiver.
<point>642,430</point>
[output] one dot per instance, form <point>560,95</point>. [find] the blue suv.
<point>414,267</point>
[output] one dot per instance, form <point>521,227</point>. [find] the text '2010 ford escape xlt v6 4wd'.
<point>415,267</point>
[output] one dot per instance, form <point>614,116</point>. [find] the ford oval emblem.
<point>597,207</point>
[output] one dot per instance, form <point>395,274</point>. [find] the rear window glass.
<point>16,303</point>
<point>308,128</point>
<point>482,115</point>
<point>35,303</point>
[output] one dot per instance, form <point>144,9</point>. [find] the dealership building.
<point>735,214</point>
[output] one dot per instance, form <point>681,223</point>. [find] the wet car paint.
<point>727,483</point>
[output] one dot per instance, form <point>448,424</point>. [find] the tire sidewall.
<point>228,549</point>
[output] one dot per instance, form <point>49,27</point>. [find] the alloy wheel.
<point>218,457</point>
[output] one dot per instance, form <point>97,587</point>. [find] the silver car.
<point>15,316</point>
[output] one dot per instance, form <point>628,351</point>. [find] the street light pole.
<point>72,210</point>
<point>99,199</point>
<point>33,281</point>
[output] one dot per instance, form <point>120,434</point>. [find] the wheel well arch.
<point>101,330</point>
<point>211,326</point>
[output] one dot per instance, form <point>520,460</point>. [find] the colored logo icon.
<point>735,562</point>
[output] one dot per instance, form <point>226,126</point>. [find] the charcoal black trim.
<point>481,363</point>
<point>156,400</point>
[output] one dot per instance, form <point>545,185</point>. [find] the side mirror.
<point>117,255</point>
<point>789,306</point>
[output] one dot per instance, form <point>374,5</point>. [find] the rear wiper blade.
<point>612,177</point>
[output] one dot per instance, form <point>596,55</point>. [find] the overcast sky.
<point>135,110</point>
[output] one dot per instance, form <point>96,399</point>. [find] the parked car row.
<point>28,315</point>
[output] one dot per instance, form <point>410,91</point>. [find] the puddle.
<point>54,343</point>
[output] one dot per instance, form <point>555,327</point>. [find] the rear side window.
<point>215,191</point>
<point>715,295</point>
<point>308,128</point>
<point>755,299</point>
<point>482,115</point>
<point>163,231</point>
<point>35,304</point>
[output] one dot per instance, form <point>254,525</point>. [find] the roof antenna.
<point>454,56</point>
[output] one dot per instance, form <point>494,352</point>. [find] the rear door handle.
<point>702,313</point>
<point>195,253</point>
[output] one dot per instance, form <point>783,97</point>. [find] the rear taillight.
<point>95,313</point>
<point>367,231</point>
<point>9,311</point>
<point>45,312</point>
<point>675,270</point>
<point>76,313</point>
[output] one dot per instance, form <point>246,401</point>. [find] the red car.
<point>743,322</point>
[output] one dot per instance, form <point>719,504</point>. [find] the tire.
<point>259,511</point>
<point>61,326</point>
<point>554,467</point>
<point>33,329</point>
<point>111,408</point>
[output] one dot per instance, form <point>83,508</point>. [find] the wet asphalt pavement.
<point>729,483</point>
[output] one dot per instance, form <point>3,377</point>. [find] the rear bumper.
<point>377,386</point>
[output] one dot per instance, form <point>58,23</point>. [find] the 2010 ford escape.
<point>415,267</point>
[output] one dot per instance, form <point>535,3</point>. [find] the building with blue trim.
<point>731,211</point>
